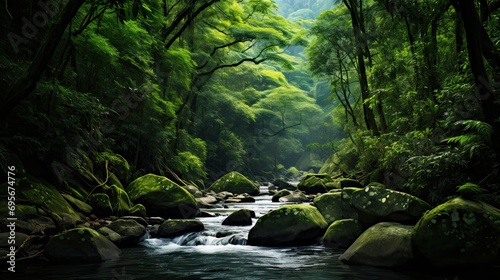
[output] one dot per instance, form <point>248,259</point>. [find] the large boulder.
<point>242,217</point>
<point>80,245</point>
<point>173,228</point>
<point>340,183</point>
<point>384,244</point>
<point>375,205</point>
<point>459,232</point>
<point>130,230</point>
<point>162,197</point>
<point>288,225</point>
<point>342,233</point>
<point>236,183</point>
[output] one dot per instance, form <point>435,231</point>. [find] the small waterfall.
<point>200,239</point>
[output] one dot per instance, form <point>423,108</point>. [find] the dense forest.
<point>398,92</point>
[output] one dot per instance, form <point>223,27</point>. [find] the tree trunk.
<point>369,116</point>
<point>484,90</point>
<point>27,83</point>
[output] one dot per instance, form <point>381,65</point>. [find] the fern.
<point>469,189</point>
<point>476,137</point>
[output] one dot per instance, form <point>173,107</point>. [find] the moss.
<point>236,183</point>
<point>455,227</point>
<point>162,197</point>
<point>45,196</point>
<point>288,224</point>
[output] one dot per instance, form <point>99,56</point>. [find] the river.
<point>204,256</point>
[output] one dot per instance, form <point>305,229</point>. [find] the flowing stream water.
<point>204,256</point>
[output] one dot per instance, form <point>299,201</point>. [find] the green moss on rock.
<point>162,197</point>
<point>459,232</point>
<point>236,183</point>
<point>45,196</point>
<point>288,225</point>
<point>342,233</point>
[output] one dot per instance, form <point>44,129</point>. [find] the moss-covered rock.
<point>459,232</point>
<point>120,200</point>
<point>336,205</point>
<point>276,197</point>
<point>342,233</point>
<point>236,183</point>
<point>330,206</point>
<point>138,210</point>
<point>375,205</point>
<point>80,245</point>
<point>242,217</point>
<point>288,225</point>
<point>130,230</point>
<point>162,197</point>
<point>101,204</point>
<point>314,183</point>
<point>44,196</point>
<point>173,228</point>
<point>78,204</point>
<point>384,244</point>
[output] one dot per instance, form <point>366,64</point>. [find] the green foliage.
<point>476,140</point>
<point>468,189</point>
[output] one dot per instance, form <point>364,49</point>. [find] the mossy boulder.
<point>101,204</point>
<point>44,196</point>
<point>314,183</point>
<point>242,217</point>
<point>162,197</point>
<point>375,205</point>
<point>235,183</point>
<point>78,204</point>
<point>384,244</point>
<point>80,245</point>
<point>276,197</point>
<point>130,230</point>
<point>459,232</point>
<point>288,225</point>
<point>177,227</point>
<point>342,233</point>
